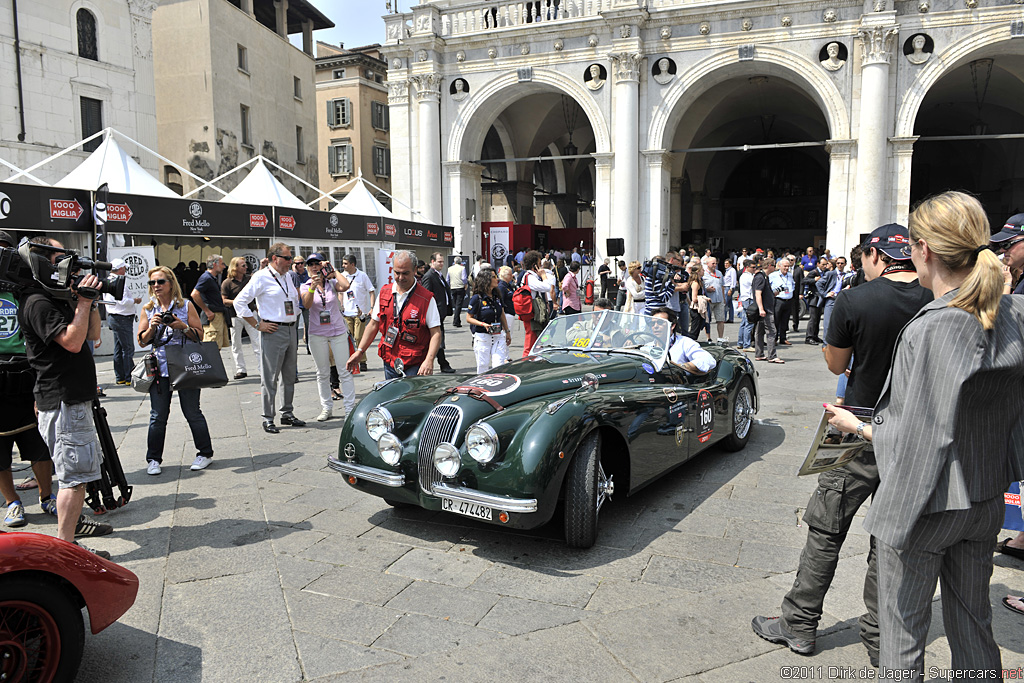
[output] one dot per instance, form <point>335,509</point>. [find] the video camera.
<point>29,265</point>
<point>658,270</point>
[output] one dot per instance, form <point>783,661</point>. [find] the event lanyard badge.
<point>325,317</point>
<point>289,307</point>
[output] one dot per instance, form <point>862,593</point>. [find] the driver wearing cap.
<point>1007,242</point>
<point>684,351</point>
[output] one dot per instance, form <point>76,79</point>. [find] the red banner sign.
<point>257,220</point>
<point>66,208</point>
<point>286,222</point>
<point>122,213</point>
<point>390,230</point>
<point>372,229</point>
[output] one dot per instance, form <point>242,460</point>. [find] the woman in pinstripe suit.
<point>947,437</point>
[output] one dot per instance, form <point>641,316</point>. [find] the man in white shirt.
<point>746,335</point>
<point>729,281</point>
<point>121,320</point>
<point>457,282</point>
<point>714,289</point>
<point>278,300</point>
<point>412,332</point>
<point>684,351</point>
<point>359,298</point>
<point>623,275</point>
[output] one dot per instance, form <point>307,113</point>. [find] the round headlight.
<point>378,421</point>
<point>447,460</point>
<point>482,442</point>
<point>389,448</point>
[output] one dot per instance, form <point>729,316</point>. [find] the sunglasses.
<point>154,283</point>
<point>312,263</point>
<point>1009,245</point>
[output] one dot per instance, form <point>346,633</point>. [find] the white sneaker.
<point>154,467</point>
<point>200,463</point>
<point>324,415</point>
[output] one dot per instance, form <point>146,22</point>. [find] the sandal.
<point>1006,549</point>
<point>761,358</point>
<point>336,394</point>
<point>29,483</point>
<point>1018,607</point>
<point>778,361</point>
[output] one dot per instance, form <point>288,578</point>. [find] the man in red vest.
<point>408,316</point>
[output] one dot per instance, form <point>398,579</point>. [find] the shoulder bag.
<point>195,365</point>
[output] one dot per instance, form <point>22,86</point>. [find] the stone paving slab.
<point>267,566</point>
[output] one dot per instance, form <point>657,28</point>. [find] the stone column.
<point>281,9</point>
<point>903,150</point>
<point>675,212</point>
<point>403,178</point>
<point>307,36</point>
<point>840,200</point>
<point>659,167</point>
<point>144,97</point>
<point>872,176</point>
<point>428,113</point>
<point>603,205</point>
<point>463,179</point>
<point>247,7</point>
<point>626,143</point>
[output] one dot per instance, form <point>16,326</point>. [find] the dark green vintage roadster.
<point>598,408</point>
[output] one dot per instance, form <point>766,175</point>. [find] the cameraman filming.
<point>55,330</point>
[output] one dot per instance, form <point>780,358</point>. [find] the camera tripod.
<point>100,493</point>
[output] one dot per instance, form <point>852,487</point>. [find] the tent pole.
<point>166,160</point>
<point>223,175</point>
<point>312,187</point>
<point>392,198</point>
<point>27,175</point>
<point>55,156</point>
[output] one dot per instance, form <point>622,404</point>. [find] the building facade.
<point>230,86</point>
<point>70,68</point>
<point>672,121</point>
<point>353,123</point>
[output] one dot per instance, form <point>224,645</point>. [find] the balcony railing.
<point>487,16</point>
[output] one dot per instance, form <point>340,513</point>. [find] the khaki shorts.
<point>70,434</point>
<point>217,331</point>
<point>717,312</point>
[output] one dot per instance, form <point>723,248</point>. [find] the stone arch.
<point>470,125</point>
<point>804,73</point>
<point>508,145</point>
<point>938,66</point>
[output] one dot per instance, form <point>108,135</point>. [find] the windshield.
<point>610,331</point>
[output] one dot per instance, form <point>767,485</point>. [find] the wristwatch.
<point>860,432</point>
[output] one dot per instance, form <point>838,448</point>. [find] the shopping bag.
<point>195,366</point>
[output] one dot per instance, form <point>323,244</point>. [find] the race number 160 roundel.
<point>705,415</point>
<point>497,384</point>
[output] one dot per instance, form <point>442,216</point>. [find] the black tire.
<point>741,417</point>
<point>582,492</point>
<point>39,618</point>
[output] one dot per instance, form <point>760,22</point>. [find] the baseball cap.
<point>891,239</point>
<point>315,256</point>
<point>7,239</point>
<point>117,263</point>
<point>1014,227</point>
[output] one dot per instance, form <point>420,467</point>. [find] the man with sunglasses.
<point>1009,243</point>
<point>277,297</point>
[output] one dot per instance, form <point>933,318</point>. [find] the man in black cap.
<point>865,325</point>
<point>1009,242</point>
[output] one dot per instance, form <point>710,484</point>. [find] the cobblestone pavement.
<point>268,567</point>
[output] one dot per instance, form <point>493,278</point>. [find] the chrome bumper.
<point>465,495</point>
<point>368,473</point>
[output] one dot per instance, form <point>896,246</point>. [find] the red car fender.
<point>108,589</point>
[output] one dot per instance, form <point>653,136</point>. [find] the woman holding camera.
<point>327,331</point>
<point>167,318</point>
<point>698,303</point>
<point>486,318</point>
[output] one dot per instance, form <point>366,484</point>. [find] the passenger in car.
<point>684,351</point>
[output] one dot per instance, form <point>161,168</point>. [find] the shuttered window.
<point>339,159</point>
<point>379,116</point>
<point>92,121</point>
<point>381,161</point>
<point>339,112</point>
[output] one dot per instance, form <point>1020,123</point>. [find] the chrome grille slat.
<point>442,424</point>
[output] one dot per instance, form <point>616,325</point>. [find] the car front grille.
<point>441,425</point>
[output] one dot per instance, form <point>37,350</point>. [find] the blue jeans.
<point>829,305</point>
<point>409,370</point>
<point>160,409</point>
<point>746,338</point>
<point>729,312</point>
<point>124,345</point>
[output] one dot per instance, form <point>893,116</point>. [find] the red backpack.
<point>522,302</point>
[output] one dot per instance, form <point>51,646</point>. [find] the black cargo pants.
<point>829,514</point>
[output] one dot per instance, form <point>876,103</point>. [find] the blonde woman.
<point>167,318</point>
<point>238,277</point>
<point>946,434</point>
<point>635,289</point>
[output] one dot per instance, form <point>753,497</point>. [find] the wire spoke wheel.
<point>29,642</point>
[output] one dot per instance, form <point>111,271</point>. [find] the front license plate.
<point>467,509</point>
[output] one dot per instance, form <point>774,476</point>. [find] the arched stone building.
<point>673,121</point>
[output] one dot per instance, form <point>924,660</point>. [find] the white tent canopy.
<point>112,165</point>
<point>361,202</point>
<point>261,187</point>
